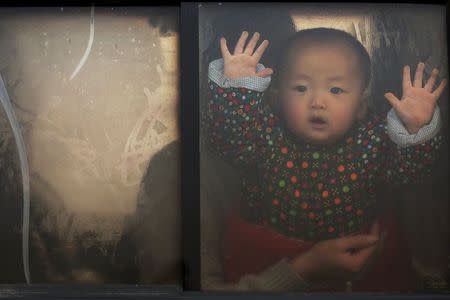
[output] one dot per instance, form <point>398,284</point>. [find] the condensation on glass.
<point>95,93</point>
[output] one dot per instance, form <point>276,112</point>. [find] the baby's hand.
<point>243,62</point>
<point>417,105</point>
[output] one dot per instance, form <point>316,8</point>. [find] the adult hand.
<point>338,259</point>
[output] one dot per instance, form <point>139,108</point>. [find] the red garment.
<point>250,249</point>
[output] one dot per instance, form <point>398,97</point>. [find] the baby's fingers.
<point>406,77</point>
<point>252,44</point>
<point>265,73</point>
<point>241,42</point>
<point>437,93</point>
<point>418,77</point>
<point>392,100</point>
<point>430,83</point>
<point>224,48</point>
<point>260,50</point>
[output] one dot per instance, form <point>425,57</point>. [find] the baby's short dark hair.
<point>325,36</point>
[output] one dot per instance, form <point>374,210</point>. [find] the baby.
<point>318,152</point>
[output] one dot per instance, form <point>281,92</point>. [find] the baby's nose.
<point>317,101</point>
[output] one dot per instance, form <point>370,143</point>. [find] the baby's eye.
<point>300,88</point>
<point>336,90</point>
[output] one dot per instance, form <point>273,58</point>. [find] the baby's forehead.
<point>324,53</point>
<point>336,46</point>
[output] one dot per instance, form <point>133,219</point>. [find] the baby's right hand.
<point>243,62</point>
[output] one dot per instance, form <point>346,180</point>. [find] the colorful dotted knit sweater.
<point>306,191</point>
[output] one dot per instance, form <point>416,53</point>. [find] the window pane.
<point>95,91</point>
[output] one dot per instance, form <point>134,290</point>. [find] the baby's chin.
<point>318,139</point>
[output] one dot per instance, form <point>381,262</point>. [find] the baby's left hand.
<point>417,105</point>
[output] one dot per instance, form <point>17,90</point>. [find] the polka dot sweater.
<point>307,191</point>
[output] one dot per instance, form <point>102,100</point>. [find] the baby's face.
<point>322,92</point>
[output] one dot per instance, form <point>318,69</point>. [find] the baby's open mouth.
<point>319,121</point>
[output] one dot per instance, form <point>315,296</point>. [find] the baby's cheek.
<point>294,114</point>
<point>344,119</point>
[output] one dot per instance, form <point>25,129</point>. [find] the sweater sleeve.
<point>400,135</point>
<point>409,158</point>
<point>239,126</point>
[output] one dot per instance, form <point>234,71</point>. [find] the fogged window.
<point>95,93</point>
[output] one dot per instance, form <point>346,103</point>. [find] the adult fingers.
<point>367,264</point>
<point>430,83</point>
<point>359,259</point>
<point>419,75</point>
<point>252,44</point>
<point>357,242</point>
<point>241,42</point>
<point>375,228</point>
<point>224,48</point>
